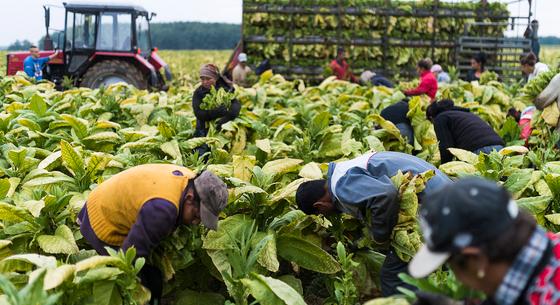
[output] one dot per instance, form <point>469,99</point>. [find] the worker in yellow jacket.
<point>142,205</point>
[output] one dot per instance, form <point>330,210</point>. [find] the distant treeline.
<point>550,40</point>
<point>195,35</point>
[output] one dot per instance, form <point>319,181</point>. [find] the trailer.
<point>300,37</point>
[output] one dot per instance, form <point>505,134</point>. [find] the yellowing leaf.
<point>62,242</point>
<point>242,167</point>
<point>513,149</point>
<point>263,145</point>
<point>311,171</point>
<point>464,155</point>
<point>457,168</point>
<point>281,166</point>
<point>551,114</point>
<point>55,277</point>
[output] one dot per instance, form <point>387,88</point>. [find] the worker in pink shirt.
<point>428,82</point>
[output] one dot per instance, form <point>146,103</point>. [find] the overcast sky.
<point>23,19</point>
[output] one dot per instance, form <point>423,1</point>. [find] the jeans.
<point>488,149</point>
<point>407,132</point>
<point>390,270</point>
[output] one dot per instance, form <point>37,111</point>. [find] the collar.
<point>425,73</point>
<point>522,269</point>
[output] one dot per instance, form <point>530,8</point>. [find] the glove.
<point>427,298</point>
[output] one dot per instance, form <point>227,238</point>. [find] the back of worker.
<point>112,207</point>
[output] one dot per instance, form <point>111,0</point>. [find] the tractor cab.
<point>104,44</point>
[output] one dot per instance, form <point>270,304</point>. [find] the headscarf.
<point>210,71</point>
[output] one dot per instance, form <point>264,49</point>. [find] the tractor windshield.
<point>115,32</point>
<point>143,34</point>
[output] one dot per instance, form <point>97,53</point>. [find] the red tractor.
<point>101,44</point>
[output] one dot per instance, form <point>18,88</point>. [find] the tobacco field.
<point>55,147</point>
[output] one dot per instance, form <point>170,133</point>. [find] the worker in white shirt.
<point>531,67</point>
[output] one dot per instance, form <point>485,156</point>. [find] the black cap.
<point>465,213</point>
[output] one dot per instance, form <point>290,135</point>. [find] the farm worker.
<point>340,67</point>
<point>142,205</point>
<point>531,67</point>
<point>478,66</point>
<point>441,76</point>
<point>210,77</point>
<point>33,65</point>
<point>523,119</point>
<point>456,127</point>
<point>371,78</point>
<point>531,33</point>
<point>428,83</point>
<point>362,186</point>
<point>490,244</point>
<point>396,114</point>
<point>241,71</point>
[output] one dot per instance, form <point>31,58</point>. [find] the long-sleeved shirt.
<point>462,129</point>
<point>525,122</point>
<point>212,114</point>
<point>362,187</point>
<point>428,85</point>
<point>342,70</point>
<point>533,277</point>
<point>34,67</point>
<point>539,68</point>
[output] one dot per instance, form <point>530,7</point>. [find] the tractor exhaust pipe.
<point>48,43</point>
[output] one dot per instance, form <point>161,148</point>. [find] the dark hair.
<point>425,63</point>
<point>438,107</point>
<point>339,50</point>
<point>480,58</point>
<point>33,47</point>
<point>308,193</point>
<point>514,113</point>
<point>529,59</point>
<point>507,245</point>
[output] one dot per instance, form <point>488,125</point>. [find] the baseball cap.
<point>437,68</point>
<point>466,213</point>
<point>242,57</point>
<point>213,195</point>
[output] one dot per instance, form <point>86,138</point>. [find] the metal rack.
<point>461,47</point>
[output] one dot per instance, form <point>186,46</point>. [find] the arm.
<point>337,70</point>
<point>549,94</point>
<point>201,114</point>
<point>375,200</point>
<point>52,56</point>
<point>421,89</point>
<point>445,138</point>
<point>156,220</point>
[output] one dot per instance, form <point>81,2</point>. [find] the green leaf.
<point>270,291</point>
<point>4,187</point>
<point>172,149</point>
<point>519,180</point>
<point>80,126</point>
<point>12,213</point>
<point>96,261</point>
<point>306,254</point>
<point>106,293</point>
<point>72,159</point>
<point>61,242</point>
<point>100,274</point>
<point>535,205</point>
<point>101,137</point>
<point>191,297</point>
<point>38,105</point>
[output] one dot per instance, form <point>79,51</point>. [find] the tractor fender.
<point>159,63</point>
<point>145,65</point>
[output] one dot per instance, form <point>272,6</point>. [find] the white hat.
<point>437,68</point>
<point>242,57</point>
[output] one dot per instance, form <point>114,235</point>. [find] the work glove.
<point>427,298</point>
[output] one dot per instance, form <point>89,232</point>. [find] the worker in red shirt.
<point>340,67</point>
<point>428,82</point>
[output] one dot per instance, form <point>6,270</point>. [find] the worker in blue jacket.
<point>363,186</point>
<point>33,65</point>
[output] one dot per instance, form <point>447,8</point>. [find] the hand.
<point>427,298</point>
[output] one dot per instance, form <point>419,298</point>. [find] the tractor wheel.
<point>109,72</point>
